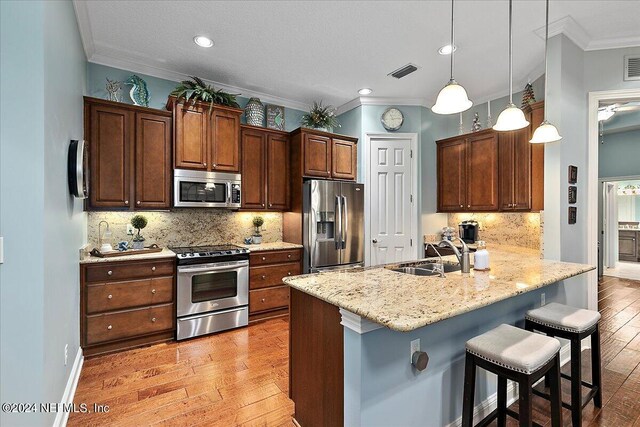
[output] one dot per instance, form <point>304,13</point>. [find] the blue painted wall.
<point>159,90</point>
<point>39,294</point>
<point>619,154</point>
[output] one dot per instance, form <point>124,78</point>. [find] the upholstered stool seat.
<point>564,317</point>
<point>517,355</point>
<point>574,324</point>
<point>514,348</point>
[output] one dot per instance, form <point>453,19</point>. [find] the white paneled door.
<point>391,200</point>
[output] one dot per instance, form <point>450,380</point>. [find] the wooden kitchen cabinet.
<point>628,245</point>
<point>467,173</point>
<point>206,138</point>
<point>265,169</point>
<point>126,304</point>
<point>319,154</point>
<point>344,159</point>
<point>129,156</point>
<point>268,295</point>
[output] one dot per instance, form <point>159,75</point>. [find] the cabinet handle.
<point>153,291</point>
<point>153,268</point>
<point>262,300</point>
<point>153,319</point>
<point>138,202</point>
<point>109,272</point>
<point>126,202</point>
<point>264,258</point>
<point>264,277</point>
<point>109,327</point>
<point>110,296</point>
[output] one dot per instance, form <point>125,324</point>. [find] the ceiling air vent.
<point>403,71</point>
<point>632,67</point>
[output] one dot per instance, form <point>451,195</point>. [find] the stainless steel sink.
<point>448,268</point>
<point>426,268</point>
<point>415,271</point>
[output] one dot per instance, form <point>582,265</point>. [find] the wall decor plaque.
<point>573,214</point>
<point>573,174</point>
<point>573,194</point>
<point>275,117</point>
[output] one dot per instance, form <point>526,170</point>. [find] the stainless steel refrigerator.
<point>333,225</point>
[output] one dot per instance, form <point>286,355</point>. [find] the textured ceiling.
<point>307,50</point>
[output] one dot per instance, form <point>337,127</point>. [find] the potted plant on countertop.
<point>197,90</point>
<point>257,223</point>
<point>322,117</point>
<point>138,222</point>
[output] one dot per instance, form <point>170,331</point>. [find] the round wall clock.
<point>392,119</point>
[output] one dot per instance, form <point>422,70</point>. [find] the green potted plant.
<point>321,117</point>
<point>257,223</point>
<point>138,222</point>
<point>197,90</point>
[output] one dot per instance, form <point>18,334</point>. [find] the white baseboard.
<point>485,407</point>
<point>70,389</point>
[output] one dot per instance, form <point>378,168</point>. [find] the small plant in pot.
<point>257,223</point>
<point>321,117</point>
<point>138,222</point>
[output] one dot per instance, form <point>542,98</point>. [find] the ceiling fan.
<point>608,111</point>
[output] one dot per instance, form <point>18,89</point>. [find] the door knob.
<point>375,240</point>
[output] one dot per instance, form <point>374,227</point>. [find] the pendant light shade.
<point>452,98</point>
<point>546,132</point>
<point>511,118</point>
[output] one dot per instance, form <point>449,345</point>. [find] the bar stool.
<point>517,355</point>
<point>574,324</point>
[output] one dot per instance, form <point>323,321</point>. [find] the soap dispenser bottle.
<point>481,257</point>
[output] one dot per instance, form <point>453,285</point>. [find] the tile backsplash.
<point>515,229</point>
<point>188,226</point>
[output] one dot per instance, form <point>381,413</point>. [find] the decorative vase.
<point>138,244</point>
<point>257,240</point>
<point>254,112</point>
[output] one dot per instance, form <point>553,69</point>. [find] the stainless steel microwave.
<point>201,189</point>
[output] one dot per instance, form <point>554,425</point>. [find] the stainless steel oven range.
<point>213,289</point>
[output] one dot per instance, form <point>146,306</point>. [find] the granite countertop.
<point>165,253</point>
<point>275,246</point>
<point>403,302</point>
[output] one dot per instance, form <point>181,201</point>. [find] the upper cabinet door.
<point>110,153</point>
<point>277,172</point>
<point>522,170</point>
<point>253,169</point>
<point>344,161</point>
<point>191,136</point>
<point>225,141</point>
<point>153,162</point>
<point>482,173</point>
<point>452,165</point>
<point>317,155</point>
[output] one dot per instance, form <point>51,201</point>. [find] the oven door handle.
<point>207,269</point>
<point>198,316</point>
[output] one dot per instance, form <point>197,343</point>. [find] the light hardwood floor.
<point>241,377</point>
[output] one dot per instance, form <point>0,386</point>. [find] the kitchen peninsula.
<point>351,334</point>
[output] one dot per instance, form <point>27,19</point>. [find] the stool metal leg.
<point>576,382</point>
<point>469,390</point>
<point>525,408</point>
<point>596,374</point>
<point>502,401</point>
<point>555,393</point>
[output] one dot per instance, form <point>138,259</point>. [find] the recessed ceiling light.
<point>365,91</point>
<point>446,49</point>
<point>203,41</point>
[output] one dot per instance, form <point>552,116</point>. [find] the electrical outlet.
<point>130,230</point>
<point>542,300</point>
<point>415,346</point>
<point>66,354</point>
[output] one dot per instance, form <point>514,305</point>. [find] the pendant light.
<point>546,132</point>
<point>511,118</point>
<point>452,98</point>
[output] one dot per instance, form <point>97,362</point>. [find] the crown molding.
<point>570,28</point>
<point>84,27</point>
<point>374,100</point>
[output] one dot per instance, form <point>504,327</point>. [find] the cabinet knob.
<point>289,256</point>
<point>204,164</point>
<point>288,273</point>
<point>270,204</point>
<point>462,206</point>
<point>110,296</point>
<point>215,165</point>
<point>264,258</point>
<point>468,206</point>
<point>153,319</point>
<point>109,272</point>
<point>153,291</point>
<point>264,277</point>
<point>126,202</point>
<point>109,327</point>
<point>262,300</point>
<point>153,268</point>
<point>138,202</point>
<point>263,205</point>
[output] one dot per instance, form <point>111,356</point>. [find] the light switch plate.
<point>415,346</point>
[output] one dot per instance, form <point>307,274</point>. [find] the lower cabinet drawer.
<point>130,270</point>
<point>134,293</point>
<point>274,257</point>
<point>268,299</point>
<point>125,324</point>
<point>272,275</point>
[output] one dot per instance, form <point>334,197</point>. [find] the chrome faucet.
<point>438,268</point>
<point>463,259</point>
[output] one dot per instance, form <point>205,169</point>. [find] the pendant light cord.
<point>510,53</point>
<point>452,40</point>
<point>546,49</point>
